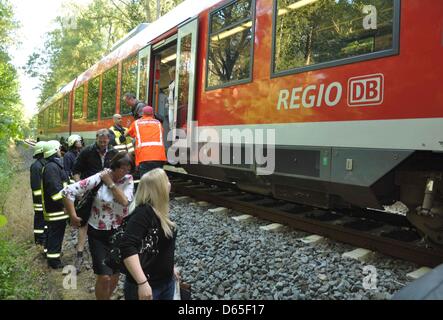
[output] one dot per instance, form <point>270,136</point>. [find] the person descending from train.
<point>151,272</point>
<point>171,89</point>
<point>117,135</point>
<point>110,206</point>
<point>149,147</point>
<point>137,107</point>
<point>54,179</point>
<point>40,228</point>
<point>74,148</point>
<point>91,160</point>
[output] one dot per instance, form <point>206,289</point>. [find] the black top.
<point>157,261</point>
<point>53,179</point>
<point>89,161</point>
<point>36,174</point>
<point>69,160</point>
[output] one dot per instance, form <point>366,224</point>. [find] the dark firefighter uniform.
<point>35,174</point>
<point>54,179</point>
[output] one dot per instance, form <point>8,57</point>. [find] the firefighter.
<point>117,135</point>
<point>54,179</point>
<point>40,228</point>
<point>74,148</point>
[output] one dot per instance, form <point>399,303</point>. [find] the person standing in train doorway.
<point>171,89</point>
<point>137,107</point>
<point>149,148</point>
<point>91,160</point>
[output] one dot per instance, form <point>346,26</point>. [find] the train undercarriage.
<point>337,178</point>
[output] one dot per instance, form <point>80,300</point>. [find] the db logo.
<point>366,90</point>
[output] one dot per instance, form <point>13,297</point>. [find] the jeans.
<point>147,166</point>
<point>164,291</point>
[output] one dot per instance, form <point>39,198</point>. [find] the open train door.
<point>144,62</point>
<point>185,77</point>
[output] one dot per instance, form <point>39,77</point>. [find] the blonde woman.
<point>148,244</point>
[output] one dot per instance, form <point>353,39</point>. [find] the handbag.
<point>147,250</point>
<point>84,205</point>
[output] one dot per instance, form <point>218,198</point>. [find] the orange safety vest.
<point>148,134</point>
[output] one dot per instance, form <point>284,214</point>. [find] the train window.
<point>313,34</point>
<point>93,93</point>
<point>65,108</point>
<point>230,44</point>
<point>78,102</point>
<point>45,119</point>
<point>51,116</point>
<point>58,112</point>
<point>109,85</point>
<point>129,81</point>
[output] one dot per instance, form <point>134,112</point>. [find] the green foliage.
<point>11,121</point>
<point>329,30</point>
<point>17,279</point>
<point>74,46</point>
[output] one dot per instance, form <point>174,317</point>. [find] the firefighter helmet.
<point>38,148</point>
<point>51,148</point>
<point>72,139</point>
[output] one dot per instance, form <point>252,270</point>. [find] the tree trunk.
<point>158,9</point>
<point>147,11</point>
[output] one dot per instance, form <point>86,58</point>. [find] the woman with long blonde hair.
<point>147,247</point>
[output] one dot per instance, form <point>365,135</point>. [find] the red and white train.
<point>348,91</point>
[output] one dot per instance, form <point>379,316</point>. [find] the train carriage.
<point>347,93</point>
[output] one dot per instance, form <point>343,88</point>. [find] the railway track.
<point>382,232</point>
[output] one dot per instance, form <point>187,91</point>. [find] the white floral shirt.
<point>106,213</point>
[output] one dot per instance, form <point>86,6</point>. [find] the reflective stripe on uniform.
<point>38,231</point>
<point>38,205</point>
<point>131,150</point>
<point>37,192</point>
<point>38,209</point>
<point>53,255</point>
<point>57,196</point>
<point>58,218</point>
<point>52,214</point>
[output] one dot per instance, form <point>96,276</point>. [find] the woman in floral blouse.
<point>109,208</point>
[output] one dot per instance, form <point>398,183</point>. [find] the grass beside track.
<point>22,270</point>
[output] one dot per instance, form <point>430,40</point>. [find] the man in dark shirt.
<point>91,160</point>
<point>94,158</point>
<point>137,107</point>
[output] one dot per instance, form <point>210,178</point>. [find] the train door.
<point>165,56</point>
<point>144,62</point>
<point>185,77</point>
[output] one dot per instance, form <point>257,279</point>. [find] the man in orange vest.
<point>149,148</point>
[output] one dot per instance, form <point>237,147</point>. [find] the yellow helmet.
<point>38,148</point>
<point>51,148</point>
<point>72,139</point>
